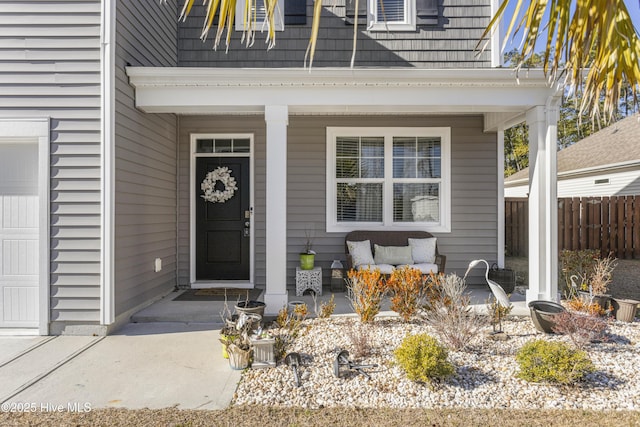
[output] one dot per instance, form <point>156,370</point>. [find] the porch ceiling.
<point>499,94</point>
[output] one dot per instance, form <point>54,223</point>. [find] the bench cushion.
<point>423,250</point>
<point>361,253</point>
<point>392,255</point>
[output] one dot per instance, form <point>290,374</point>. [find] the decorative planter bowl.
<point>543,314</point>
<point>251,307</point>
<point>625,309</point>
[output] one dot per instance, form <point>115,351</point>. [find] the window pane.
<point>404,168</point>
<point>429,168</point>
<point>222,146</point>
<point>347,147</point>
<point>347,168</point>
<point>372,168</point>
<point>404,147</point>
<point>372,147</point>
<point>204,146</point>
<point>390,10</point>
<point>416,202</point>
<point>429,147</point>
<point>241,146</point>
<point>359,202</point>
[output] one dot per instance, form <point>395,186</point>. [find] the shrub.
<point>423,358</point>
<point>450,315</point>
<point>580,328</point>
<point>365,289</point>
<point>553,362</point>
<point>360,336</point>
<point>407,286</point>
<point>327,308</point>
<point>590,308</point>
<point>288,326</point>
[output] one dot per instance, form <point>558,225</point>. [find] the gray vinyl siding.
<point>50,62</point>
<point>145,160</point>
<point>473,198</point>
<point>473,189</point>
<point>450,44</point>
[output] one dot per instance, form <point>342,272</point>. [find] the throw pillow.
<point>360,253</point>
<point>423,250</point>
<point>393,255</point>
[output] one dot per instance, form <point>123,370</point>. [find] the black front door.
<point>222,227</point>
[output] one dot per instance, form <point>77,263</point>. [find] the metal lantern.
<point>337,276</point>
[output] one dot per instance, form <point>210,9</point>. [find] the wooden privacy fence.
<point>610,224</point>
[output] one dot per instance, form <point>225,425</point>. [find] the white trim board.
<point>192,213</point>
<point>185,90</point>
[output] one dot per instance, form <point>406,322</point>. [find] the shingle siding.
<point>450,44</point>
<point>145,160</point>
<point>50,62</point>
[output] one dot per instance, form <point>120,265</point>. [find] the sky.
<point>633,6</point>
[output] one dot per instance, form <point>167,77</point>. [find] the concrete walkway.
<point>145,365</point>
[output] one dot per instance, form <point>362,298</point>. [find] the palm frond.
<point>596,37</point>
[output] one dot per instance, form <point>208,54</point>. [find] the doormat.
<point>217,294</point>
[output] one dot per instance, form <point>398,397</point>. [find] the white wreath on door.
<point>208,186</point>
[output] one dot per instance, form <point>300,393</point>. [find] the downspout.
<point>496,38</point>
<point>107,141</point>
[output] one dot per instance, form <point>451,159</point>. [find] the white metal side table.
<point>308,279</point>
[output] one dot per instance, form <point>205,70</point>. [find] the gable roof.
<point>613,145</point>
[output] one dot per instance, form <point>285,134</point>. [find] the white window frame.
<point>378,24</point>
<point>444,133</point>
<point>279,16</point>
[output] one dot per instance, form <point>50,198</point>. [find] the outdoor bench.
<point>388,250</point>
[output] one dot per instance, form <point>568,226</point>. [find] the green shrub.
<point>423,358</point>
<point>554,362</point>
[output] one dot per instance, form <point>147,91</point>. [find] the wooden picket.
<point>610,224</point>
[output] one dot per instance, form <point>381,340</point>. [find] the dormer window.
<point>392,15</point>
<point>259,12</point>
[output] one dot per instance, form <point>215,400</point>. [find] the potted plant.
<point>236,341</point>
<point>599,279</point>
<point>308,255</point>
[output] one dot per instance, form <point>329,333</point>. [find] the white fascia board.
<point>209,91</point>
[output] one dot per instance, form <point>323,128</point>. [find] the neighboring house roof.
<point>615,145</point>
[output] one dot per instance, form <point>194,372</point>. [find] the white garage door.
<point>19,218</point>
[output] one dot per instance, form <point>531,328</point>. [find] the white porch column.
<point>543,202</point>
<point>277,118</point>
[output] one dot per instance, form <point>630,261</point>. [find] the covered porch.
<point>278,96</point>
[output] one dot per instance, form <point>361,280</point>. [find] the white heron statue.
<point>497,291</point>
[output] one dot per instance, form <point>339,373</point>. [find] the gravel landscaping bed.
<point>485,373</point>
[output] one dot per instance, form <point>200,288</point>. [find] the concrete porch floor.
<point>168,310</point>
